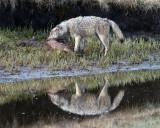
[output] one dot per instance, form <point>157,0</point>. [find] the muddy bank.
<point>24,73</point>
<point>29,13</point>
<point>139,101</point>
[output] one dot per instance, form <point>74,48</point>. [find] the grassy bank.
<point>133,50</point>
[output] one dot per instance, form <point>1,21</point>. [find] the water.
<point>37,108</point>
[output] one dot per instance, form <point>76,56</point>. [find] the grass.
<point>146,4</point>
<point>133,51</point>
<point>126,119</point>
<point>149,122</point>
<point>110,121</point>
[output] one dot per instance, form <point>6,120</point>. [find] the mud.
<point>25,73</point>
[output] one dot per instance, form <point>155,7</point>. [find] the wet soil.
<point>25,73</point>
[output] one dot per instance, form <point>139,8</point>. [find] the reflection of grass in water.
<point>132,51</point>
<point>142,122</point>
<point>15,91</point>
<point>43,115</point>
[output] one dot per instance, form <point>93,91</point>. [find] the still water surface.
<point>76,106</point>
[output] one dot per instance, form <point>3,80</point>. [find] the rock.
<point>59,45</point>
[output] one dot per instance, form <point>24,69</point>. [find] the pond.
<point>88,101</point>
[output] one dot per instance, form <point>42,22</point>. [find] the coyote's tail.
<point>116,29</point>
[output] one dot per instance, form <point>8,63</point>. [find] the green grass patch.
<point>133,51</point>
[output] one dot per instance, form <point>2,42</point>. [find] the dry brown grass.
<point>102,3</point>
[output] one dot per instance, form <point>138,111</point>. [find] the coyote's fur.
<point>81,27</point>
<point>87,103</point>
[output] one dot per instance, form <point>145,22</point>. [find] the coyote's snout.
<point>59,32</point>
<point>82,103</point>
<point>81,27</point>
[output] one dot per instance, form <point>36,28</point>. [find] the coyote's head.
<point>58,32</point>
<point>58,100</point>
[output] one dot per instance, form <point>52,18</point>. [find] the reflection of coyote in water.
<point>87,103</point>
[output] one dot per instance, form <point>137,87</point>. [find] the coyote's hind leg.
<point>103,34</point>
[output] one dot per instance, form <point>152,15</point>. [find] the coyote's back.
<point>81,27</point>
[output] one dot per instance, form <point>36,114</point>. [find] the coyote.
<point>81,27</point>
<point>82,103</point>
